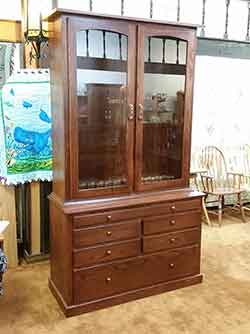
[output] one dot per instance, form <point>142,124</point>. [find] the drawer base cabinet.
<point>116,255</point>
<point>124,222</point>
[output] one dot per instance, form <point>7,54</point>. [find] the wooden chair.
<point>218,183</point>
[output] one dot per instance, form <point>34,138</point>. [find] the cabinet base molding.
<point>70,311</point>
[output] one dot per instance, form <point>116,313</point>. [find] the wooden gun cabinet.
<point>124,222</point>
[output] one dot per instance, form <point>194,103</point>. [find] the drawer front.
<point>108,217</point>
<point>105,253</point>
<point>111,232</point>
<point>168,223</point>
<point>172,207</point>
<point>133,274</point>
<point>171,240</point>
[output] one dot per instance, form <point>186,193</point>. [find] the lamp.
<point>10,31</point>
<point>35,30</point>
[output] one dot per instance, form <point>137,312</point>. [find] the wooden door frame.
<point>189,36</point>
<point>74,25</point>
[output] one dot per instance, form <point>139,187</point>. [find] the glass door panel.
<point>102,107</point>
<point>161,111</point>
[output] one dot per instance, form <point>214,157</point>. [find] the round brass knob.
<point>109,233</point>
<point>172,240</point>
<point>108,279</point>
<point>108,252</point>
<point>172,222</point>
<point>109,218</point>
<point>171,265</point>
<point>173,207</point>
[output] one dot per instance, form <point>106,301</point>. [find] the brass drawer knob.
<point>172,240</point>
<point>109,218</point>
<point>173,208</point>
<point>108,252</point>
<point>109,233</point>
<point>108,279</point>
<point>171,265</point>
<point>172,222</point>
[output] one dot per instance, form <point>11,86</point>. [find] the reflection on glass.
<point>102,108</point>
<point>164,85</point>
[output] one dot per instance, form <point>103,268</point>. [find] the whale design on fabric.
<point>44,116</point>
<point>34,141</point>
<point>27,104</point>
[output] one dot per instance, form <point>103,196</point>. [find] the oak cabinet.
<point>124,222</point>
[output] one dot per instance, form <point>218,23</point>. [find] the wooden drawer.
<point>168,223</point>
<point>111,232</point>
<point>172,207</point>
<point>171,240</point>
<point>107,252</point>
<point>107,280</point>
<point>108,217</point>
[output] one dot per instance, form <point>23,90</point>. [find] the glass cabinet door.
<point>103,107</point>
<point>162,72</point>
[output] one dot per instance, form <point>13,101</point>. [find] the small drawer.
<point>129,275</point>
<point>166,241</point>
<point>108,252</point>
<point>106,217</point>
<point>173,207</point>
<point>168,223</point>
<point>111,232</point>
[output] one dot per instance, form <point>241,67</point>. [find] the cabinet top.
<point>57,12</point>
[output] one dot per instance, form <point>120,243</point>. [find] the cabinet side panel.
<point>61,252</point>
<point>59,103</point>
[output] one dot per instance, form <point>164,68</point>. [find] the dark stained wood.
<point>107,280</point>
<point>105,253</point>
<point>124,297</point>
<point>108,217</point>
<point>61,253</point>
<point>169,223</point>
<point>117,65</point>
<point>159,242</point>
<point>76,13</point>
<point>111,232</point>
<point>101,237</point>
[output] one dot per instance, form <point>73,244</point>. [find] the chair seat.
<point>225,191</point>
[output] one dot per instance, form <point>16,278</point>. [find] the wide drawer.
<point>108,217</point>
<point>110,232</point>
<point>107,252</point>
<point>107,280</point>
<point>168,223</point>
<point>171,240</point>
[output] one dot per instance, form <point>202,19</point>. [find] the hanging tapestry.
<point>25,130</point>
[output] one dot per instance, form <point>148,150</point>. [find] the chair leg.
<point>205,211</point>
<point>220,209</point>
<point>242,209</point>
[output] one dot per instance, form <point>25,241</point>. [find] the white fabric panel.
<point>74,4</point>
<point>238,14</point>
<point>221,105</point>
<point>215,18</point>
<point>165,10</point>
<point>110,7</point>
<point>137,8</point>
<point>191,11</point>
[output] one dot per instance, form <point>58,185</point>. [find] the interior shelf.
<point>117,65</point>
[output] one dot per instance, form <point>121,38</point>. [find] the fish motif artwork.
<point>25,130</point>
